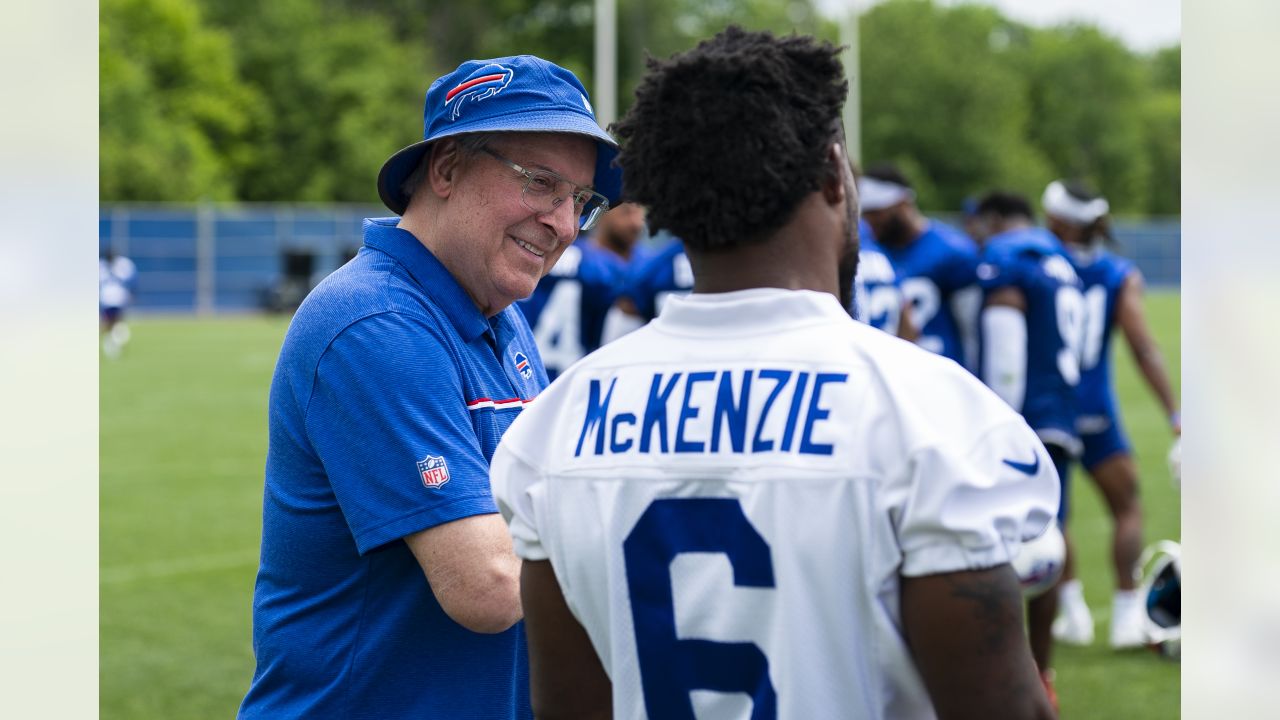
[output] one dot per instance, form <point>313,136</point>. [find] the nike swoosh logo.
<point>1028,468</point>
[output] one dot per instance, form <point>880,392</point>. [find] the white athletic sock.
<point>1071,591</point>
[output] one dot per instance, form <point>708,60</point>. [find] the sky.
<point>1141,24</point>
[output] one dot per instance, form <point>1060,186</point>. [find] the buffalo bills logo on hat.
<point>434,471</point>
<point>523,365</point>
<point>485,82</point>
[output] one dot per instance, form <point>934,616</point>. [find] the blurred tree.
<point>304,99</point>
<point>172,111</point>
<point>943,98</point>
<point>1162,122</point>
<point>342,92</point>
<point>1088,96</point>
<point>563,31</point>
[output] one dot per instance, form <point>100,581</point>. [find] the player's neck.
<point>799,256</point>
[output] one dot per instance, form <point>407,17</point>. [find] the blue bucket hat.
<point>508,94</point>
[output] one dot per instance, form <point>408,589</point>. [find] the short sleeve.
<point>963,270</point>
<point>966,509</point>
<point>388,420</point>
<point>514,482</point>
<point>996,271</point>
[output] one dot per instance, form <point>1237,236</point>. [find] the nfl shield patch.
<point>523,365</point>
<point>434,471</point>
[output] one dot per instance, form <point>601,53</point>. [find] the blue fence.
<point>228,258</point>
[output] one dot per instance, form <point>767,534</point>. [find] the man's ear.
<point>833,185</point>
<point>443,167</point>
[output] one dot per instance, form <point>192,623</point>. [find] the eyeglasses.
<point>544,191</point>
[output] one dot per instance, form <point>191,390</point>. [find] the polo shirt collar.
<point>436,280</point>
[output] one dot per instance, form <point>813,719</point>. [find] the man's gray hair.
<point>468,144</point>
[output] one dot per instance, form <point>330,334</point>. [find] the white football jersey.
<point>730,495</point>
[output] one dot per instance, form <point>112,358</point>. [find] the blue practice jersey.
<point>936,270</point>
<point>389,398</point>
<point>567,309</point>
<point>877,293</point>
<point>1102,275</point>
<point>665,273</point>
<point>1033,261</point>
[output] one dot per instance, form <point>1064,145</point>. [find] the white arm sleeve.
<point>966,303</point>
<point>1004,353</point>
<point>514,483</point>
<point>618,323</point>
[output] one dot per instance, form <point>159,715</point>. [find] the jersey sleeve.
<point>996,270</point>
<point>515,480</point>
<point>389,422</point>
<point>962,271</point>
<point>967,508</point>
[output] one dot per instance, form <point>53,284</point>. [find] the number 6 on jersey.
<point>671,667</point>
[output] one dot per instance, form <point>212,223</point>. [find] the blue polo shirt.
<point>389,398</point>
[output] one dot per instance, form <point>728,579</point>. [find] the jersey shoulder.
<point>953,239</point>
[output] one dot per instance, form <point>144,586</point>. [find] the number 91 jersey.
<point>1033,261</point>
<point>730,495</point>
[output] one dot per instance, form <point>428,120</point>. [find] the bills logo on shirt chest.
<point>434,471</point>
<point>523,366</point>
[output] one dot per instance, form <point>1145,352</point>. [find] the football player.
<point>756,506</point>
<point>1113,297</point>
<point>649,283</point>
<point>936,264</point>
<point>116,277</point>
<point>567,310</point>
<point>877,292</point>
<point>1031,333</point>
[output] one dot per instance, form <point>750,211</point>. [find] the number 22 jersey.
<point>730,495</point>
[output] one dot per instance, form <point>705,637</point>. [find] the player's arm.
<point>965,632</point>
<point>907,329</point>
<point>1146,353</point>
<point>566,679</point>
<point>1004,344</point>
<point>472,570</point>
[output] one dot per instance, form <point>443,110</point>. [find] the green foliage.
<point>1162,120</point>
<point>965,101</point>
<point>1087,112</point>
<point>173,112</point>
<point>942,99</point>
<point>304,99</point>
<point>344,95</point>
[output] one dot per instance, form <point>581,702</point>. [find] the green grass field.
<point>183,440</point>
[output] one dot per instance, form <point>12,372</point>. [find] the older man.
<point>388,587</point>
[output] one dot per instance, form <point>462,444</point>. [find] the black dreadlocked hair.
<point>1005,204</point>
<point>724,140</point>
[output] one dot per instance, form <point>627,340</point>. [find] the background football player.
<point>1113,298</point>
<point>936,264</point>
<point>1031,332</point>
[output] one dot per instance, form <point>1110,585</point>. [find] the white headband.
<point>880,194</point>
<point>1060,203</point>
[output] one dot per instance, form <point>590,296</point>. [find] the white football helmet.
<point>1040,561</point>
<point>1161,593</point>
